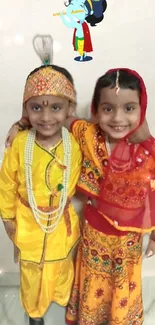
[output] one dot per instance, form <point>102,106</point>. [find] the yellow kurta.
<point>46,262</point>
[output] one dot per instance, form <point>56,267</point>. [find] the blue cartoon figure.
<point>76,13</point>
<point>80,13</point>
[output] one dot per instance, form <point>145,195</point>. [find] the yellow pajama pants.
<point>81,47</point>
<point>41,285</point>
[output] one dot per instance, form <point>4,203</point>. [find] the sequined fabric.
<point>107,287</point>
<point>48,81</point>
<point>127,190</point>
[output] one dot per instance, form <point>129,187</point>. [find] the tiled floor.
<point>11,312</point>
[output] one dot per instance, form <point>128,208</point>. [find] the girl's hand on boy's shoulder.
<point>10,136</point>
<point>142,134</point>
<point>150,249</point>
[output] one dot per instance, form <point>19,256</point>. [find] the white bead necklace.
<point>56,214</point>
<point>107,145</point>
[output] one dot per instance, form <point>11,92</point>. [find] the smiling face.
<point>77,5</point>
<point>119,114</point>
<point>47,115</point>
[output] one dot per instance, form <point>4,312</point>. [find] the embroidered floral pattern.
<point>92,169</point>
<point>128,190</point>
<point>49,82</point>
<point>109,268</point>
<point>99,292</point>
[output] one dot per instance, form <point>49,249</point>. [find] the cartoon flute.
<point>65,13</point>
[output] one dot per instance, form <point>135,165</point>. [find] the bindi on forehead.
<point>45,103</point>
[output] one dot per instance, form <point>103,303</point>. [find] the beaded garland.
<point>56,213</point>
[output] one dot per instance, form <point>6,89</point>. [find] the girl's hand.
<point>11,135</point>
<point>21,125</point>
<point>142,134</point>
<point>150,249</point>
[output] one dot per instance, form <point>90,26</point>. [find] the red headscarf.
<point>126,196</point>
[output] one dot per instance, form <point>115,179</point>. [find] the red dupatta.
<point>126,197</point>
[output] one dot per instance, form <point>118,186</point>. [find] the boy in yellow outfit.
<point>37,181</point>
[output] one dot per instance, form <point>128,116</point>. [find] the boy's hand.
<point>10,227</point>
<point>142,134</point>
<point>150,249</point>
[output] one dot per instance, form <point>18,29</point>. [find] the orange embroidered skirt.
<point>107,287</point>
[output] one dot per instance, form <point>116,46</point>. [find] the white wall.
<point>124,39</point>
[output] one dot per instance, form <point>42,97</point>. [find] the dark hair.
<point>99,8</point>
<point>67,3</point>
<point>126,81</point>
<point>56,68</point>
